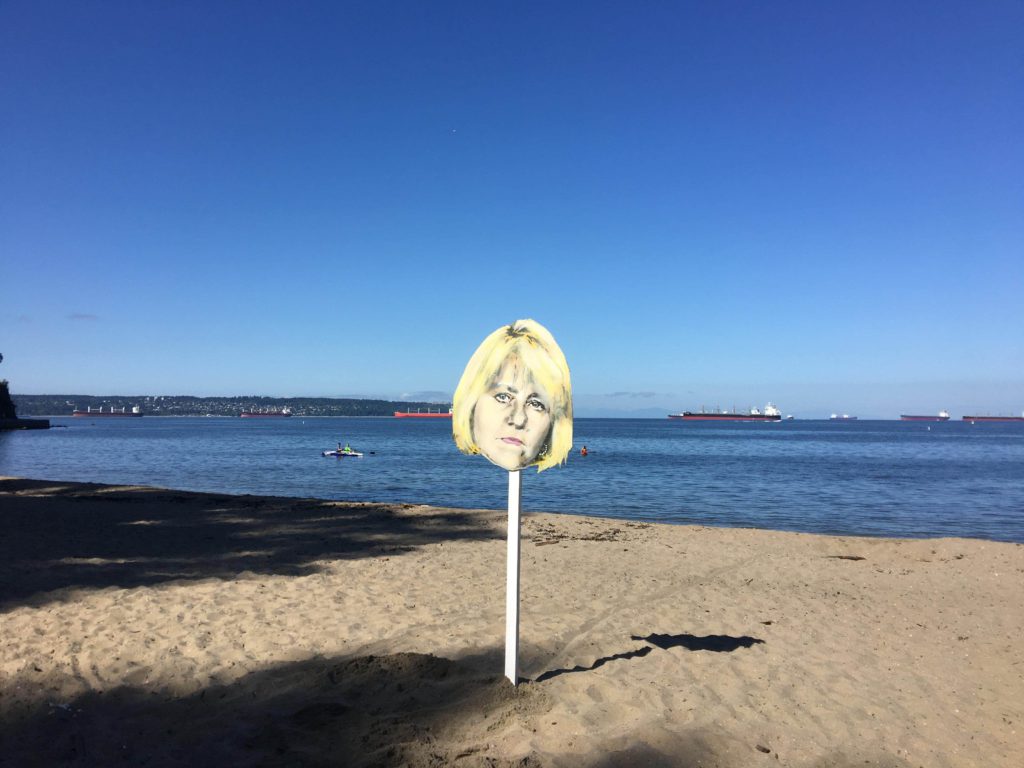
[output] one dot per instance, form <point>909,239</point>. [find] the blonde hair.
<point>532,344</point>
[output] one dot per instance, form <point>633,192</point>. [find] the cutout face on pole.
<point>514,400</point>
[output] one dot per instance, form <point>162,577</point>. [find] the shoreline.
<point>175,628</point>
<point>644,520</point>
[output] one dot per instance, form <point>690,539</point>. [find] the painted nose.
<point>517,415</point>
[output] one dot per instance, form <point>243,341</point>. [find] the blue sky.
<point>818,204</point>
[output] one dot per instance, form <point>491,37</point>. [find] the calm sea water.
<point>860,478</point>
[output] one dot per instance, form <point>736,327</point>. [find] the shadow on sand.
<point>362,711</point>
<point>404,709</point>
<point>58,535</point>
<point>715,643</point>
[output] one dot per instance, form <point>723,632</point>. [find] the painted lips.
<point>512,441</point>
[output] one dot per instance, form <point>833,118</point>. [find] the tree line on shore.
<point>188,405</point>
<point>7,409</point>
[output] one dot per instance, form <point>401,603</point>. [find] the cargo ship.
<point>266,414</point>
<point>427,414</point>
<point>943,416</point>
<point>770,413</point>
<point>124,412</point>
<point>973,419</point>
<point>844,417</point>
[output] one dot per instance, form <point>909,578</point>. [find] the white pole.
<point>515,485</point>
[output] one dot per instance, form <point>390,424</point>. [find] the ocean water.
<point>876,478</point>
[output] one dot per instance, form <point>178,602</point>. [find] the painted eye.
<point>503,397</point>
<point>536,404</point>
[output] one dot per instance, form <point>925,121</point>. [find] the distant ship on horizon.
<point>427,414</point>
<point>844,417</point>
<point>973,419</point>
<point>134,412</point>
<point>943,416</point>
<point>770,413</point>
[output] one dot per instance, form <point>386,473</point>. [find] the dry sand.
<point>150,627</point>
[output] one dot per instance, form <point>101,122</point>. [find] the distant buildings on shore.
<point>187,405</point>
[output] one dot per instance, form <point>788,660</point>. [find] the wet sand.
<point>141,626</point>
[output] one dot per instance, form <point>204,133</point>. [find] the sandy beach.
<point>141,626</point>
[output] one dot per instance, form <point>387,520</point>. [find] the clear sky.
<point>815,203</point>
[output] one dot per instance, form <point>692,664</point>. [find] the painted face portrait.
<point>512,418</point>
<point>513,404</point>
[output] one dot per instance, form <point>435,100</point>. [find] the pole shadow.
<point>713,643</point>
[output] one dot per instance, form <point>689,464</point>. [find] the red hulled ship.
<point>973,419</point>
<point>428,414</point>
